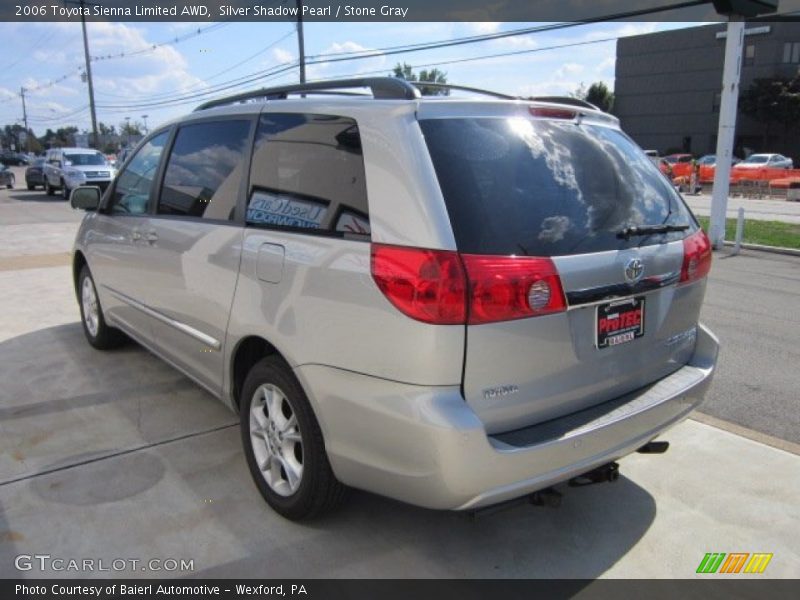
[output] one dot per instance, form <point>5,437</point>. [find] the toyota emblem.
<point>634,269</point>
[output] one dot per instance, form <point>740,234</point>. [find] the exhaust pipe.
<point>606,473</point>
<point>654,448</point>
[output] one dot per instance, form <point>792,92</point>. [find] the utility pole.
<point>736,11</point>
<point>300,43</point>
<point>726,132</point>
<point>82,4</point>
<point>25,120</point>
<point>144,117</point>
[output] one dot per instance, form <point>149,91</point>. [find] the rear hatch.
<point>549,195</point>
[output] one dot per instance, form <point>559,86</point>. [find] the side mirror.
<point>85,198</point>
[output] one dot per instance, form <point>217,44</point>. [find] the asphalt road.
<point>753,305</point>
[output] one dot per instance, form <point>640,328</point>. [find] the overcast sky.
<point>46,58</point>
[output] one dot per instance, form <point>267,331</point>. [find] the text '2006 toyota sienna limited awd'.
<point>449,301</point>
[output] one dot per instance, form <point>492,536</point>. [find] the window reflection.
<point>308,174</point>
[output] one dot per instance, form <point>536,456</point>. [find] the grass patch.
<point>767,233</point>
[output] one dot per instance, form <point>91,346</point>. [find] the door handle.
<point>151,236</point>
<point>136,235</point>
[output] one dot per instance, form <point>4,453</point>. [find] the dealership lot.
<point>116,455</point>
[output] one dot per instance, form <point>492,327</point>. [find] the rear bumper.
<point>425,446</point>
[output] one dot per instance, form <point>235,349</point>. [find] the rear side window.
<point>205,170</point>
<point>308,175</point>
<point>547,188</point>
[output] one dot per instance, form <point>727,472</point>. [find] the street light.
<point>144,117</point>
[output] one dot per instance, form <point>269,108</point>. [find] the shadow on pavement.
<point>21,194</point>
<point>116,454</point>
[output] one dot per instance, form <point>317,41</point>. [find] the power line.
<point>149,49</point>
<point>498,55</point>
<point>214,76</point>
<point>154,47</point>
<point>185,99</point>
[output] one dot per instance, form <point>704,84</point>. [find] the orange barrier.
<point>785,182</point>
<point>762,174</point>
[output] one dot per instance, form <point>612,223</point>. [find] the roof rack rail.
<point>564,100</point>
<point>389,88</point>
<point>463,88</point>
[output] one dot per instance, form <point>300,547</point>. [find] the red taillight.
<point>445,288</point>
<point>548,112</point>
<point>427,285</point>
<point>696,257</point>
<point>502,288</point>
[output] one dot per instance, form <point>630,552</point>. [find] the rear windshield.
<point>547,188</point>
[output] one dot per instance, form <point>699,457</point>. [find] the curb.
<point>762,248</point>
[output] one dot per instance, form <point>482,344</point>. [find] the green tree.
<point>405,71</point>
<point>775,103</point>
<point>104,129</point>
<point>130,128</point>
<point>599,95</point>
<point>579,93</point>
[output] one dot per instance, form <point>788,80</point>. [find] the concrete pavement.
<point>116,455</point>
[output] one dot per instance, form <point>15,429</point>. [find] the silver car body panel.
<point>427,447</point>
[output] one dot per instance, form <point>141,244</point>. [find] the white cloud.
<point>334,69</point>
<point>482,27</point>
<point>282,56</point>
<point>568,69</point>
<point>606,64</point>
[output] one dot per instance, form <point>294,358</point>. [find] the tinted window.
<point>132,189</point>
<point>204,170</point>
<point>546,188</point>
<point>308,173</point>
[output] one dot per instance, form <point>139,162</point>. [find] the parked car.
<point>68,168</point>
<point>7,178</point>
<point>450,302</point>
<point>34,174</point>
<point>13,159</point>
<point>769,161</point>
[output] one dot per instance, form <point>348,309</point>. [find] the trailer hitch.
<point>606,473</point>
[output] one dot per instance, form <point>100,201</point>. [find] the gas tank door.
<point>269,264</point>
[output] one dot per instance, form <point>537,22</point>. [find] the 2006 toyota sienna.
<point>450,301</point>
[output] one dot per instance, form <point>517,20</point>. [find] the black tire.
<point>48,188</point>
<point>11,182</point>
<point>31,187</point>
<point>319,491</point>
<point>104,337</point>
<point>64,190</point>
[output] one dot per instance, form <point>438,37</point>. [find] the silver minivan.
<point>453,302</point>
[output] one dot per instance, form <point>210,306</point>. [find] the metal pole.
<point>25,120</point>
<point>89,76</point>
<point>300,43</point>
<point>727,127</point>
<point>737,246</point>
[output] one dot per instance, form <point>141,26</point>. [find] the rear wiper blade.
<point>636,230</point>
